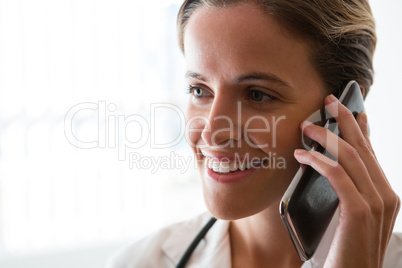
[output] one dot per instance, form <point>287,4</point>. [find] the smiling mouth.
<point>235,166</point>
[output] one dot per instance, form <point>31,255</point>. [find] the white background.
<point>61,206</point>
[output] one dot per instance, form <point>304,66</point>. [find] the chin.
<point>240,200</point>
<point>234,205</point>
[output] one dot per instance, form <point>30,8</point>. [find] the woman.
<point>256,70</point>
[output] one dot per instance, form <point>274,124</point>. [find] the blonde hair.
<point>341,33</point>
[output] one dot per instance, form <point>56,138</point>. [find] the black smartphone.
<point>309,203</point>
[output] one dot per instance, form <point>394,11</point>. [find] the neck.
<point>262,239</point>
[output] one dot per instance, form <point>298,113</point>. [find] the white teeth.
<point>215,166</point>
<point>233,166</point>
<point>242,166</point>
<point>226,167</point>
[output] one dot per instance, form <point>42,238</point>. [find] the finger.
<point>362,121</point>
<point>333,171</point>
<point>346,155</point>
<point>363,124</point>
<point>353,206</point>
<point>353,135</point>
<point>357,135</point>
<point>388,225</point>
<point>395,214</point>
<point>391,201</point>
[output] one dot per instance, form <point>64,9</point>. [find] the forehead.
<point>243,38</point>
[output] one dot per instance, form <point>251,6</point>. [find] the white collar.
<point>214,249</point>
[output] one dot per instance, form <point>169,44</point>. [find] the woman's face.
<point>252,85</point>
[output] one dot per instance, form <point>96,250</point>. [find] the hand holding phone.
<point>309,203</point>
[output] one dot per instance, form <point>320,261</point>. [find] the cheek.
<point>279,141</point>
<point>276,134</point>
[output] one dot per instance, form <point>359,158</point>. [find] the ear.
<point>362,90</point>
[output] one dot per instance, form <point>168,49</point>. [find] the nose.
<point>224,126</point>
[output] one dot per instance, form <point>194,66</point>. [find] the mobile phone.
<point>309,203</point>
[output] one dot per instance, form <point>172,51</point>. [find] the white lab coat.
<point>164,248</point>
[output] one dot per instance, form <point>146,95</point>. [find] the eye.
<point>199,92</point>
<point>259,96</point>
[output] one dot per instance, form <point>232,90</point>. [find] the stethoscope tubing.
<point>187,254</point>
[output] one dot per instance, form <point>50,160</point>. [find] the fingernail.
<point>306,123</point>
<point>332,98</point>
<point>299,151</point>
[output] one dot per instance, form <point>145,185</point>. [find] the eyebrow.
<point>195,75</point>
<point>254,76</point>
